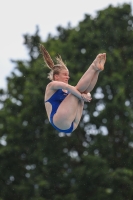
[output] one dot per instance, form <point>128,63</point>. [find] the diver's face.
<point>63,76</point>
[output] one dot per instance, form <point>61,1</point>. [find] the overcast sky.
<point>18,17</point>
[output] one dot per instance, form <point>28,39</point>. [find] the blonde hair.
<point>55,68</point>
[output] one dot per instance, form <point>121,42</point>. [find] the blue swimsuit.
<point>55,100</point>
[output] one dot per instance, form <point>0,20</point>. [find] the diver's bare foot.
<point>98,63</point>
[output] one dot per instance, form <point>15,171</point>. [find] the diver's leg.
<point>92,73</point>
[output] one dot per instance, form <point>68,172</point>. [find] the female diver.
<point>63,102</point>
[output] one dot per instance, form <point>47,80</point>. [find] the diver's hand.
<point>86,97</point>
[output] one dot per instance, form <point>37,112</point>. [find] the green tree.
<point>95,161</point>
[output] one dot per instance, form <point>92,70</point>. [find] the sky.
<point>19,17</point>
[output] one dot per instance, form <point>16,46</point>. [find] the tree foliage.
<point>95,161</point>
